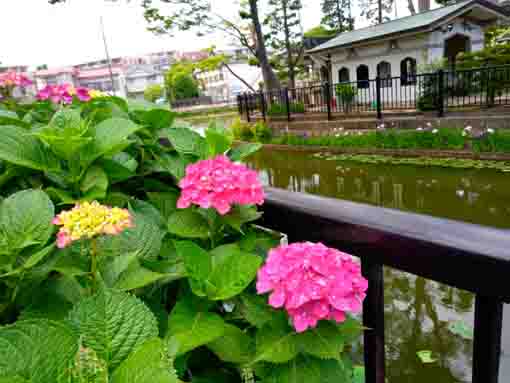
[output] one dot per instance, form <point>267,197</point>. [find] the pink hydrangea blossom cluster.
<point>13,79</point>
<point>312,282</point>
<point>63,93</point>
<point>219,183</point>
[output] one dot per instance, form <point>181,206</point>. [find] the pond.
<point>421,315</point>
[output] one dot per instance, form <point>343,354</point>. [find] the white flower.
<point>429,124</point>
<point>460,193</point>
<point>435,131</point>
<point>490,131</point>
<point>419,129</point>
<point>382,126</point>
<point>360,133</point>
<point>468,128</point>
<point>337,135</point>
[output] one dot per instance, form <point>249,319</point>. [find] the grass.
<point>443,139</point>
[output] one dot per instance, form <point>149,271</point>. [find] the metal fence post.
<point>328,99</point>
<point>246,104</point>
<point>263,105</point>
<point>440,91</point>
<point>287,102</point>
<point>240,104</point>
<point>378,98</point>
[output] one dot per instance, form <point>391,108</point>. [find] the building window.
<point>362,76</point>
<point>343,75</point>
<point>384,73</point>
<point>408,71</point>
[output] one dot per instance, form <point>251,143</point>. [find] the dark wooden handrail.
<point>467,256</point>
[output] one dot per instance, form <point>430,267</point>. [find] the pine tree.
<point>337,15</point>
<point>286,36</point>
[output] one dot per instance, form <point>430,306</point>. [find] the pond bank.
<point>402,153</point>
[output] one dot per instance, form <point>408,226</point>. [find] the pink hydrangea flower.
<point>63,93</point>
<point>312,282</point>
<point>83,94</point>
<point>219,183</point>
<point>13,79</point>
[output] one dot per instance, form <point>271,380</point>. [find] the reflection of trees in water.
<point>473,196</point>
<point>415,320</point>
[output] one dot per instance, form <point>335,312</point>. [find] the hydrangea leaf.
<point>256,310</point>
<point>25,219</point>
<point>165,202</point>
<point>188,224</point>
<point>171,163</point>
<point>197,261</point>
<point>240,215</point>
<point>95,183</point>
<point>39,350</point>
<point>234,346</point>
<point>120,167</point>
<point>186,141</point>
<point>323,341</point>
<point>147,364</point>
<point>309,370</point>
<point>276,344</point>
<point>217,142</point>
<point>19,147</point>
<point>233,273</point>
<point>190,326</point>
<point>243,151</point>
<point>113,324</point>
<point>156,119</point>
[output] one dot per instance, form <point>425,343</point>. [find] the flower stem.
<point>93,263</point>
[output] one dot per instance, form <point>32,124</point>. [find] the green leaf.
<point>113,324</point>
<point>66,133</point>
<point>156,119</point>
<point>309,370</point>
<point>425,356</point>
<point>234,346</point>
<point>120,167</point>
<point>19,147</point>
<point>111,137</point>
<point>243,151</point>
<point>275,344</point>
<point>144,239</point>
<point>323,341</point>
<point>11,118</point>
<point>171,163</point>
<point>462,329</point>
<point>188,224</point>
<point>350,329</point>
<point>197,261</point>
<point>165,202</point>
<point>217,143</point>
<point>190,327</point>
<point>256,311</point>
<point>240,215</point>
<point>94,183</point>
<point>234,273</point>
<point>147,364</point>
<point>25,219</point>
<point>39,350</point>
<point>35,258</point>
<point>61,195</point>
<point>358,374</point>
<point>137,276</point>
<point>186,141</point>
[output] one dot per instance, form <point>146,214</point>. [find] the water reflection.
<point>418,312</point>
<point>476,196</point>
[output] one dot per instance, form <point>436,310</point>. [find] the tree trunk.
<point>410,6</point>
<point>379,11</point>
<point>288,47</point>
<point>239,78</point>
<point>270,79</point>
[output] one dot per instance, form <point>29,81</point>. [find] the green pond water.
<point>421,315</point>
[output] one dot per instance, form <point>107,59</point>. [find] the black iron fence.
<point>441,91</point>
<point>466,256</point>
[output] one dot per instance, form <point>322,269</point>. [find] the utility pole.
<point>107,55</point>
<point>379,6</point>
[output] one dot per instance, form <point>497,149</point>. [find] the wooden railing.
<point>466,256</point>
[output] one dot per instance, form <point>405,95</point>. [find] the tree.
<point>378,11</point>
<point>180,82</point>
<point>286,35</point>
<point>153,92</point>
<point>337,15</point>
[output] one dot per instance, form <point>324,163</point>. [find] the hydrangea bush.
<point>130,252</point>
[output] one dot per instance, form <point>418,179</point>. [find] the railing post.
<point>487,341</point>
<point>440,91</point>
<point>246,104</point>
<point>328,99</point>
<point>378,100</point>
<point>240,104</point>
<point>263,105</point>
<point>373,319</point>
<point>287,102</point>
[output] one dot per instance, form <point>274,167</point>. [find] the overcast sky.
<point>32,32</point>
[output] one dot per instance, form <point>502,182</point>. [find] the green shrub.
<point>262,132</point>
<point>245,131</point>
<point>345,94</point>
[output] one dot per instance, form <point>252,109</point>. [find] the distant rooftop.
<point>421,20</point>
